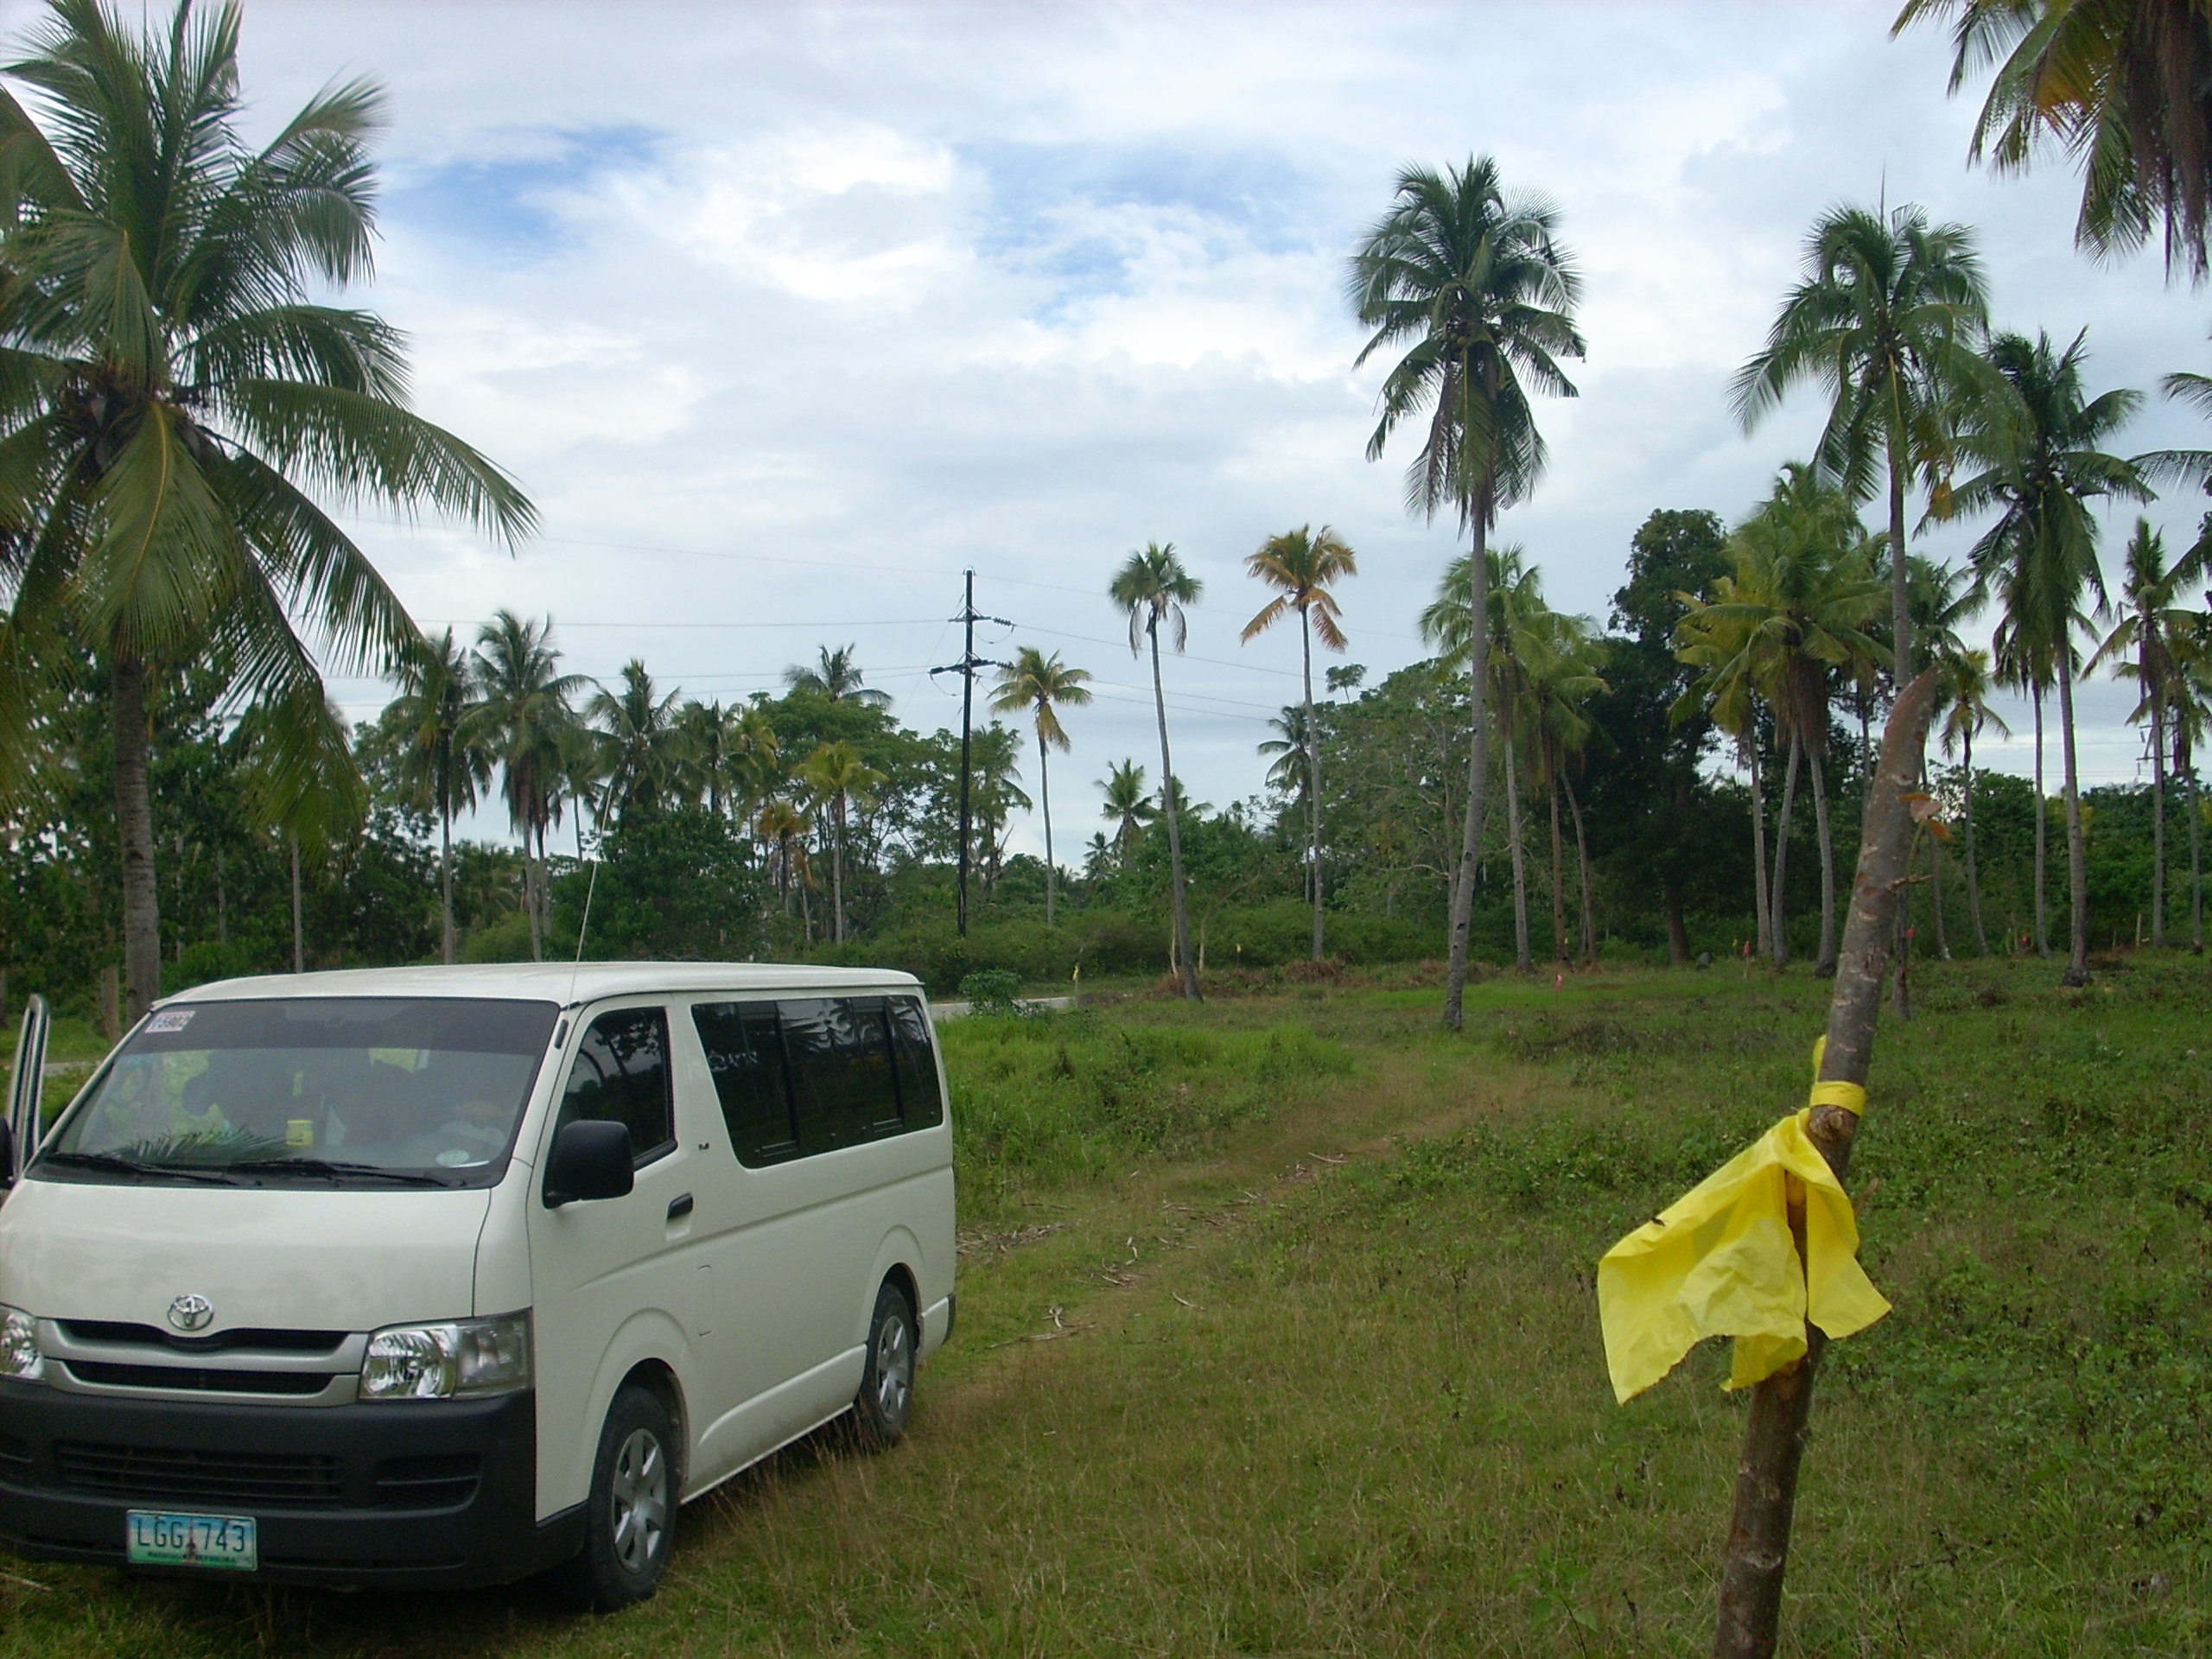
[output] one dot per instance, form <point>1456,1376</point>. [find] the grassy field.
<point>1278,1337</point>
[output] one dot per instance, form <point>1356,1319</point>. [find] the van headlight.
<point>451,1358</point>
<point>19,1355</point>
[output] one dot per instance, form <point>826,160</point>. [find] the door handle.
<point>679,1207</point>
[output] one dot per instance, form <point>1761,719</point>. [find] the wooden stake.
<point>1774,1439</point>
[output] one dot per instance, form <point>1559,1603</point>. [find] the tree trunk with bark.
<point>1312,777</point>
<point>1559,871</point>
<point>1463,888</point>
<point>1521,958</point>
<point>1973,877</point>
<point>299,923</point>
<point>1764,922</point>
<point>2077,876</point>
<point>1824,962</point>
<point>1779,906</point>
<point>2158,824</point>
<point>1780,1408</point>
<point>1185,967</point>
<point>2043,821</point>
<point>1045,799</point>
<point>1582,866</point>
<point>134,813</point>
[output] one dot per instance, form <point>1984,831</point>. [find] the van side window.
<point>745,1052</point>
<point>839,1048</point>
<point>621,1075</point>
<point>920,1103</point>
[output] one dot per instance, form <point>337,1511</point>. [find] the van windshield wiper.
<point>108,1162</point>
<point>337,1171</point>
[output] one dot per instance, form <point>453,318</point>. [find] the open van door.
<point>24,1084</point>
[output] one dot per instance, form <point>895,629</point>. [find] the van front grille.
<point>114,1332</point>
<point>112,1375</point>
<point>15,1456</point>
<point>208,1477</point>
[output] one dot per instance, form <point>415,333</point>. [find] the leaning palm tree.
<point>1128,807</point>
<point>2161,634</point>
<point>1474,285</point>
<point>1043,685</point>
<point>437,679</point>
<point>2036,442</point>
<point>1885,321</point>
<point>1300,565</point>
<point>523,721</point>
<point>1154,587</point>
<point>835,675</point>
<point>2123,87</point>
<point>175,393</point>
<point>1966,684</point>
<point>839,777</point>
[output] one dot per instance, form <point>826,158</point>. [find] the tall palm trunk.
<point>1463,888</point>
<point>1559,871</point>
<point>2195,865</point>
<point>1765,922</point>
<point>445,852</point>
<point>1936,895</point>
<point>1045,796</point>
<point>1900,587</point>
<point>2077,875</point>
<point>1974,879</point>
<point>1184,966</point>
<point>2043,821</point>
<point>134,813</point>
<point>1522,959</point>
<point>1778,909</point>
<point>299,922</point>
<point>1824,963</point>
<point>1582,867</point>
<point>837,870</point>
<point>1312,773</point>
<point>2158,824</point>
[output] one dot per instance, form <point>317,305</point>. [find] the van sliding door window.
<point>621,1076</point>
<point>839,1049</point>
<point>920,1103</point>
<point>745,1053</point>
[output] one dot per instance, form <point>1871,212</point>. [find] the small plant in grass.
<point>993,991</point>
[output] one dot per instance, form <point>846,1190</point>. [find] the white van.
<point>445,1275</point>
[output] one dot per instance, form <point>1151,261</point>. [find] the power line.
<point>966,667</point>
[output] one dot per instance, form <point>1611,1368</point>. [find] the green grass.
<point>1278,1337</point>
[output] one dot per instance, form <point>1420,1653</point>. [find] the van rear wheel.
<point>886,1395</point>
<point>630,1518</point>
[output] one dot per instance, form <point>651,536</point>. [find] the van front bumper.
<point>407,1493</point>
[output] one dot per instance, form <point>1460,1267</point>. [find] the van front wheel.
<point>887,1395</point>
<point>630,1518</point>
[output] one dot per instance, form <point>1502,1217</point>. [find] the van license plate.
<point>161,1538</point>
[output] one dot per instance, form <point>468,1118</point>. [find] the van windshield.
<point>368,1091</point>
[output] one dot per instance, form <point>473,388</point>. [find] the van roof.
<point>552,982</point>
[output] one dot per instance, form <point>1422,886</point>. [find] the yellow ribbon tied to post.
<point>1721,1260</point>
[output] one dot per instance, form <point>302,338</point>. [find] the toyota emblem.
<point>190,1312</point>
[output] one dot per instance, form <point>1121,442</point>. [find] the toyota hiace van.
<point>446,1275</point>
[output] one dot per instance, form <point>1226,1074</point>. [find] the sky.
<point>786,315</point>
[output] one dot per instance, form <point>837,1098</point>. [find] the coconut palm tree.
<point>1286,752</point>
<point>1885,320</point>
<point>1300,565</point>
<point>1801,599</point>
<point>523,721</point>
<point>1128,807</point>
<point>1043,685</point>
<point>839,777</point>
<point>647,749</point>
<point>1559,662</point>
<point>176,393</point>
<point>1966,685</point>
<point>1151,588</point>
<point>437,679</point>
<point>835,675</point>
<point>2124,87</point>
<point>782,826</point>
<point>1733,664</point>
<point>1513,594</point>
<point>299,780</point>
<point>2161,634</point>
<point>2035,440</point>
<point>1475,287</point>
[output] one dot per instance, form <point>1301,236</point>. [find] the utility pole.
<point>966,667</point>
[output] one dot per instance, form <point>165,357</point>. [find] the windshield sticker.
<point>171,1020</point>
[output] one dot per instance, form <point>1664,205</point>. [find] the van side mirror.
<point>591,1159</point>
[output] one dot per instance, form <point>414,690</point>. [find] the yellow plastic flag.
<point>1720,1261</point>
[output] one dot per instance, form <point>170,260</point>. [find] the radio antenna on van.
<point>583,927</point>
